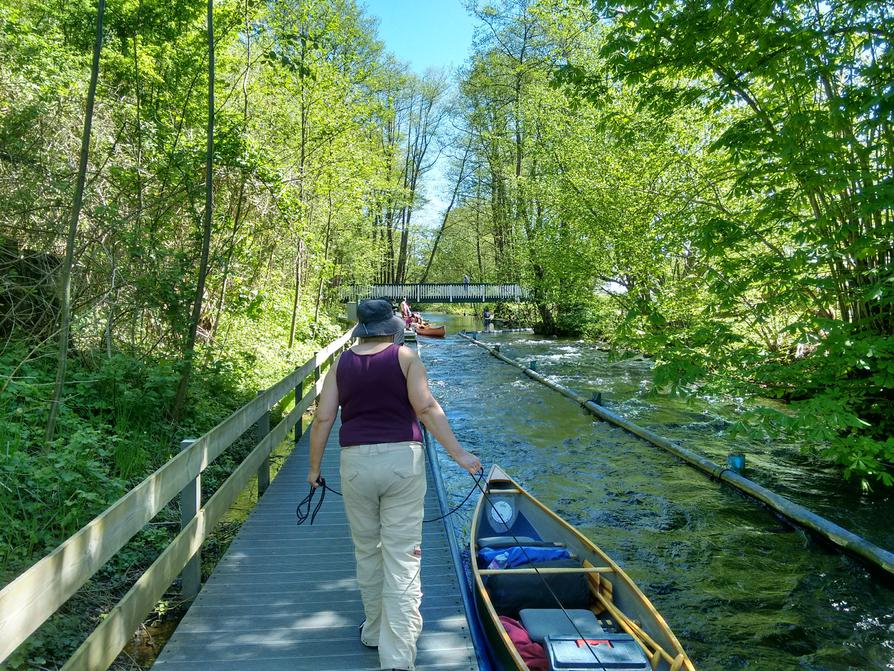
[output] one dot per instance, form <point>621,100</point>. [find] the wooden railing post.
<point>263,428</point>
<point>318,365</point>
<point>190,502</point>
<point>299,394</point>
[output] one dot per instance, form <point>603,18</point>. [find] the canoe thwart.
<point>547,569</point>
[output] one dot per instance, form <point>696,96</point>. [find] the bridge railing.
<point>29,600</point>
<point>445,292</point>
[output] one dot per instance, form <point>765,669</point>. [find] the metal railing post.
<point>263,428</point>
<point>190,502</point>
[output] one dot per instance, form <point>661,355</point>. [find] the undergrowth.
<point>112,432</point>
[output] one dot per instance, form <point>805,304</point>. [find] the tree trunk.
<point>139,126</point>
<point>218,312</point>
<point>113,301</point>
<point>190,347</point>
<point>478,229</point>
<point>389,267</point>
<point>299,281</point>
<point>302,158</point>
<point>239,200</point>
<point>459,180</point>
<point>323,269</point>
<point>404,245</point>
<point>65,277</point>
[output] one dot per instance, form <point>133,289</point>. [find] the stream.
<point>740,587</point>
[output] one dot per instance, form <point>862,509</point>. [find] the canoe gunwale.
<point>431,331</point>
<point>675,658</point>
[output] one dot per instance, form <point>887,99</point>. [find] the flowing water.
<point>739,587</point>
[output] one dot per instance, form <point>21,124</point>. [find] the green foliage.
<point>709,183</point>
<point>112,434</point>
<point>794,262</point>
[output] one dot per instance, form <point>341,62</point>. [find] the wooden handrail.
<point>29,600</point>
<point>436,292</point>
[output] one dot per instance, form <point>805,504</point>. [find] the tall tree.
<point>460,178</point>
<point>71,240</point>
<point>208,220</point>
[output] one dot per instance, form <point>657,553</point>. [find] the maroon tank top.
<point>375,406</point>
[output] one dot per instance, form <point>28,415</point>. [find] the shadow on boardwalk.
<point>284,597</point>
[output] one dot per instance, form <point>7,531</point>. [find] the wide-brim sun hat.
<point>375,317</point>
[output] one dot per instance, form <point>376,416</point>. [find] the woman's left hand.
<point>468,461</point>
<point>313,475</point>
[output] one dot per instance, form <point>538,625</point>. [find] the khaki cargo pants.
<point>384,491</point>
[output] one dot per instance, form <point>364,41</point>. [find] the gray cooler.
<point>607,652</point>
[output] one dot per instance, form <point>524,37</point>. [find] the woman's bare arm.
<point>324,418</point>
<point>431,414</point>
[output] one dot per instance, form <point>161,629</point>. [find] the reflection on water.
<point>740,588</point>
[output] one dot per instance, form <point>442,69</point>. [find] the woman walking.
<point>382,388</point>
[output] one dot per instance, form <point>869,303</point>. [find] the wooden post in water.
<point>263,428</point>
<point>190,502</point>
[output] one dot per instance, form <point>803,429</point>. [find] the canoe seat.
<point>543,622</point>
<point>498,542</point>
<point>510,591</point>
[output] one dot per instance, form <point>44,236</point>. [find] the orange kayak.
<point>431,331</point>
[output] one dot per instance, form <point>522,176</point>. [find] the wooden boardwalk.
<point>285,597</point>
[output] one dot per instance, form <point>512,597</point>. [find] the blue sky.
<point>424,33</point>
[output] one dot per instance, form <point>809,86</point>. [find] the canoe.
<point>583,610</point>
<point>431,331</point>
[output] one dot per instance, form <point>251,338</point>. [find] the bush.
<point>594,317</point>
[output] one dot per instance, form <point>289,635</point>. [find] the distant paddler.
<point>405,312</point>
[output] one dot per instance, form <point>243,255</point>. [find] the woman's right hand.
<point>468,462</point>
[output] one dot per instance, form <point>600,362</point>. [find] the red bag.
<point>532,653</point>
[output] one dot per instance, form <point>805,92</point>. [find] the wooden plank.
<point>319,664</point>
<point>336,633</point>
<point>292,601</point>
<point>293,610</point>
<point>109,638</point>
<point>320,658</point>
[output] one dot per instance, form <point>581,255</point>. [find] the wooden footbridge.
<point>438,293</point>
<point>282,597</point>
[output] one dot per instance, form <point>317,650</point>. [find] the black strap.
<point>303,515</point>
<point>478,477</point>
<point>306,502</point>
